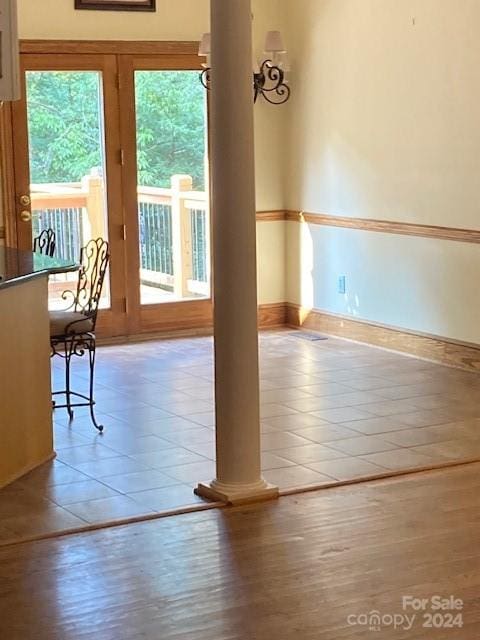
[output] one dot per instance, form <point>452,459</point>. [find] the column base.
<point>237,494</point>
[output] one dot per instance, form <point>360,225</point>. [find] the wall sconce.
<point>268,74</point>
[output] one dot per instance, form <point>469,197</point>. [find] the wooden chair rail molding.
<point>271,216</point>
<point>438,349</point>
<point>386,226</point>
<point>106,47</point>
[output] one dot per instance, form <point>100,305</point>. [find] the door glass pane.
<point>172,202</point>
<point>67,165</point>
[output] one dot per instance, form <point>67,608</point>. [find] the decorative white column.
<point>234,259</point>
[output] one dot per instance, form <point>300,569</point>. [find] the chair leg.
<point>91,355</point>
<point>68,356</point>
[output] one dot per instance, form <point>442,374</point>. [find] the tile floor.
<point>331,410</point>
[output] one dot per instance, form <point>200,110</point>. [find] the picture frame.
<point>116,5</point>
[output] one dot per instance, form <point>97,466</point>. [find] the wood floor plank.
<point>289,570</point>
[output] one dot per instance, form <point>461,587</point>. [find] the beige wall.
<point>271,242</point>
<point>57,19</point>
<point>412,283</point>
<point>384,124</point>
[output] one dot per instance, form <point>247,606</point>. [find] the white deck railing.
<point>174,228</point>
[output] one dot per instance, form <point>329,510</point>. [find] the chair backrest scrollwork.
<point>94,259</point>
<point>45,243</point>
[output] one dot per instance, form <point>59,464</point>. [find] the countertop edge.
<point>13,282</point>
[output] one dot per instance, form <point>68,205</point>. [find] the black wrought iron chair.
<point>72,332</point>
<point>45,242</point>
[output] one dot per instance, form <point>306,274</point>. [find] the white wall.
<point>384,124</point>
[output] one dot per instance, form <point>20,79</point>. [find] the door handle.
<point>25,200</point>
<point>25,216</point>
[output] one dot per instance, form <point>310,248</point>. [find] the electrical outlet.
<point>341,284</point>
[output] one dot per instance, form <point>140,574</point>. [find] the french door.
<point>116,146</point>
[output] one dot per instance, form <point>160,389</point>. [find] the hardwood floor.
<point>301,568</point>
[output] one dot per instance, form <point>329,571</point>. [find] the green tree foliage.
<point>170,127</point>
<point>65,124</point>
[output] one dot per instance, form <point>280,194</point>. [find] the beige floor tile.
<point>66,494</point>
<point>108,509</point>
<point>451,449</point>
<point>309,453</point>
<point>438,401</point>
<point>425,418</point>
<point>184,407</point>
<point>402,392</point>
<point>204,419</point>
<point>325,433</point>
<point>193,473</point>
<point>282,440</point>
<point>171,425</point>
<point>279,396</point>
<point>139,481</point>
<point>202,392</point>
<point>346,468</point>
<point>17,501</point>
<point>111,467</point>
<point>361,445</point>
<point>389,407</point>
<point>326,389</point>
<point>52,473</point>
<point>314,404</point>
<point>135,416</point>
<point>266,428</point>
<point>56,519</point>
<point>272,410</point>
<point>469,428</point>
<point>128,442</point>
<point>411,377</point>
<point>168,398</point>
<point>423,435</point>
<point>202,449</point>
<point>181,381</point>
<point>86,453</point>
<point>64,439</point>
<point>291,477</point>
<point>354,399</point>
<point>373,426</point>
<point>399,459</point>
<point>168,458</point>
<point>172,498</point>
<point>367,384</point>
<point>347,377</point>
<point>290,382</point>
<point>343,415</point>
<point>195,436</point>
<point>273,461</point>
<point>295,421</point>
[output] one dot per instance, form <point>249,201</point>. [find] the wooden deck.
<point>292,569</point>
